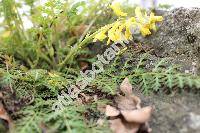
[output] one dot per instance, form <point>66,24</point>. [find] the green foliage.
<point>37,82</point>
<point>39,117</point>
<point>35,116</point>
<point>6,77</point>
<point>57,35</point>
<point>40,62</point>
<point>160,75</point>
<point>44,87</point>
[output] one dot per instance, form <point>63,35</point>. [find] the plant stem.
<point>74,50</point>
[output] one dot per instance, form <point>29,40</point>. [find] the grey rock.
<point>178,37</point>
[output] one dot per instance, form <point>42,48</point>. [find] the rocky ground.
<point>178,38</point>
<point>174,113</point>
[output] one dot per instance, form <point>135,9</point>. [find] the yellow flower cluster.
<point>117,10</point>
<point>123,28</point>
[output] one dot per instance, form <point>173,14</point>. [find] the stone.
<point>178,37</point>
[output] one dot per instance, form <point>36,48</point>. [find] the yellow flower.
<point>152,26</point>
<point>130,23</point>
<point>121,30</point>
<point>113,34</point>
<point>100,36</point>
<point>139,15</point>
<point>154,18</point>
<point>101,33</point>
<point>108,42</point>
<point>128,34</point>
<point>116,8</point>
<point>144,29</point>
<point>121,27</point>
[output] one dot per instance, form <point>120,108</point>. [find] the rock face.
<point>178,36</point>
<point>179,113</point>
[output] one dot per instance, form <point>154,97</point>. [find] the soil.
<point>173,113</point>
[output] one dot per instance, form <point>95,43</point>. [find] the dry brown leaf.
<point>131,127</point>
<point>125,103</point>
<point>139,115</point>
<point>130,98</point>
<point>126,87</point>
<point>129,116</point>
<point>83,65</point>
<point>4,115</point>
<point>111,111</point>
<point>136,100</point>
<point>119,126</point>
